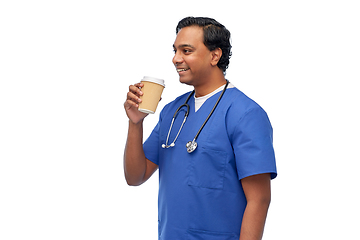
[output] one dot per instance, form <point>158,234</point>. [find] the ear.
<point>215,56</point>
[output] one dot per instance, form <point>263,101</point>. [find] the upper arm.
<point>257,188</point>
<point>150,169</point>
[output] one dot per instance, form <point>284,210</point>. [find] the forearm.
<point>134,157</point>
<point>253,222</point>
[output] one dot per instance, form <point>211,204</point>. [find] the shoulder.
<point>240,104</point>
<point>242,110</point>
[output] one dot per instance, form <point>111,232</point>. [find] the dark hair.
<point>215,36</point>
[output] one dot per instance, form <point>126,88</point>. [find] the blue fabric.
<point>200,195</point>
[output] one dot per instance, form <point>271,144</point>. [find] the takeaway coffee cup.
<point>152,89</point>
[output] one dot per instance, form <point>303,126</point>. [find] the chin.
<point>186,80</point>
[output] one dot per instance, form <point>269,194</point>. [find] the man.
<point>220,189</point>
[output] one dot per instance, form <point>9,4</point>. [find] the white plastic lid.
<point>154,80</point>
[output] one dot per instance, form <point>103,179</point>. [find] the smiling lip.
<point>182,69</point>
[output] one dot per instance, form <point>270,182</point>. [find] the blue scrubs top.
<point>200,193</point>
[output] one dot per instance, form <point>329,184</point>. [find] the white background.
<point>65,68</point>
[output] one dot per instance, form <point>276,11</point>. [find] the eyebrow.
<point>184,45</point>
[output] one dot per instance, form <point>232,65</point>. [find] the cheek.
<point>190,61</point>
<point>196,62</point>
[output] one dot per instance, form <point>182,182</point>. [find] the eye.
<point>187,51</point>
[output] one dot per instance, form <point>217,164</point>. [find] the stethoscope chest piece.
<point>191,146</point>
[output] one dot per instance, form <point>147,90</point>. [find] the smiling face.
<point>193,60</point>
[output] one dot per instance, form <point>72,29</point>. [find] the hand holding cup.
<point>143,98</point>
<point>132,103</point>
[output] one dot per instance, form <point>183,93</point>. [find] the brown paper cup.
<point>152,89</point>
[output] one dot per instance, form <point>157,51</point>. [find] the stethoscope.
<point>191,145</point>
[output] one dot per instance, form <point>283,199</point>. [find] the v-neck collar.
<point>199,101</point>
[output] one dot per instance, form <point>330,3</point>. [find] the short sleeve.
<point>252,142</point>
<point>151,145</point>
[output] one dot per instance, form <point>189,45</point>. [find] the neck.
<point>209,85</point>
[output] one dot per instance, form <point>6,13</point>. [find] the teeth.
<point>182,70</point>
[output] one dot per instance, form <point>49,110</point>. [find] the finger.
<point>139,85</point>
<point>136,89</point>
<point>134,94</point>
<point>133,97</point>
<point>130,104</point>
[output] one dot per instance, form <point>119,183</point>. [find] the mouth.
<point>182,69</point>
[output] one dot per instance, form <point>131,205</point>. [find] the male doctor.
<point>221,189</point>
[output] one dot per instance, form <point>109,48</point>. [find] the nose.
<point>177,59</point>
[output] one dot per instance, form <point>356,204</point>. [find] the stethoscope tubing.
<point>192,145</point>
<point>182,124</point>
<point>212,111</point>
